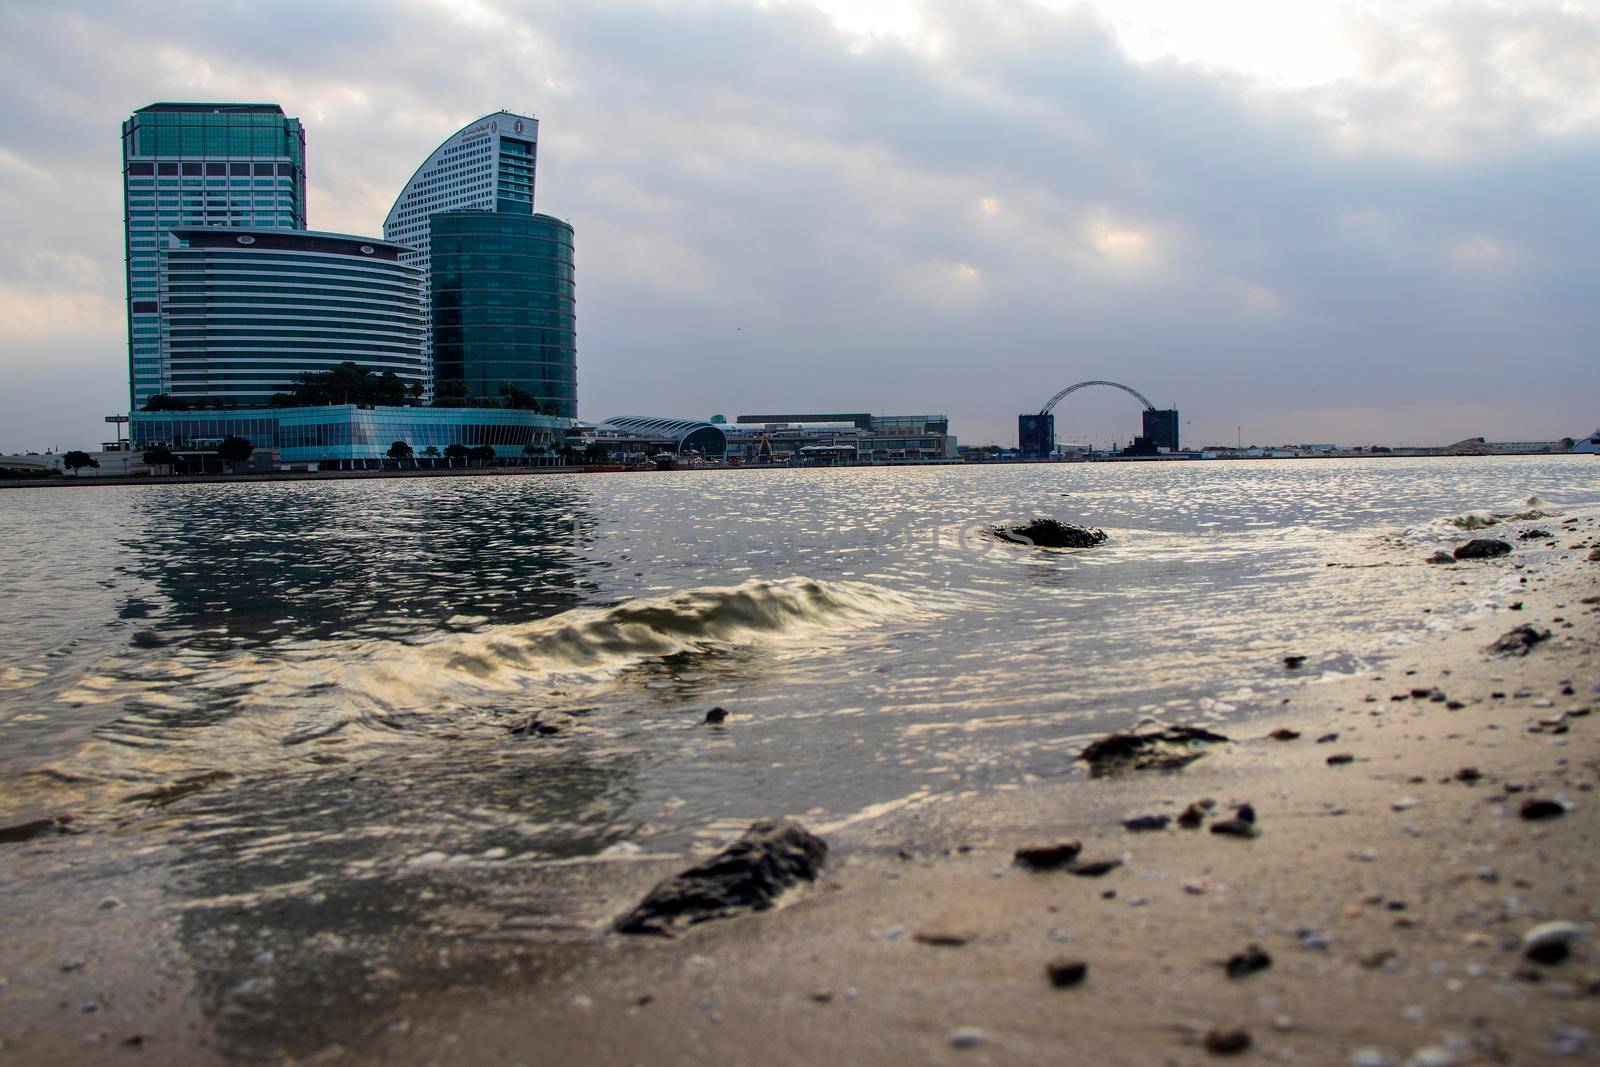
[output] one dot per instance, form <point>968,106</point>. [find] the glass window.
<point>166,168</point>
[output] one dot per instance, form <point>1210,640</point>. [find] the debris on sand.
<point>1227,1041</point>
<point>1165,749</point>
<point>1293,662</point>
<point>1048,857</point>
<point>1065,973</point>
<point>1050,533</point>
<point>1551,942</point>
<point>1518,641</point>
<point>748,875</point>
<point>1341,759</point>
<point>1440,556</point>
<point>1094,868</point>
<point>1483,548</point>
<point>1243,823</point>
<point>1195,814</point>
<point>1283,733</point>
<point>1243,964</point>
<point>1141,823</point>
<point>1540,808</point>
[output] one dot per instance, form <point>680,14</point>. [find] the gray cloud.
<point>772,214</point>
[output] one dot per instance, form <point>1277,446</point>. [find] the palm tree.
<point>432,453</point>
<point>399,452</point>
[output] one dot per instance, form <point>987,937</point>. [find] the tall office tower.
<point>504,311</point>
<point>198,165</point>
<point>487,165</point>
<point>245,311</point>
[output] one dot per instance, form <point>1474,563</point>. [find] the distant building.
<point>1036,435</point>
<point>214,164</point>
<point>1161,428</point>
<point>504,303</point>
<point>347,436</point>
<point>1590,444</point>
<point>245,311</point>
<point>487,165</point>
<point>823,439</point>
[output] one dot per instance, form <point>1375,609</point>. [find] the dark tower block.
<point>1036,434</point>
<point>1161,428</point>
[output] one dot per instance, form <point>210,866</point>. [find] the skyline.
<point>960,213</point>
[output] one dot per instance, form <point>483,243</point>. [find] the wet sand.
<point>1390,894</point>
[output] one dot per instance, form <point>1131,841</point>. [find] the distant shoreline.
<point>73,481</point>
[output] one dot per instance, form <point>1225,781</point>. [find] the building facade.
<point>348,435</point>
<point>487,165</point>
<point>243,312</point>
<point>202,164</point>
<point>504,302</point>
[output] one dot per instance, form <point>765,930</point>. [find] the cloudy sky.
<point>1318,220</point>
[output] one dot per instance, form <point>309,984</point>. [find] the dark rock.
<point>1191,817</point>
<point>1440,556</point>
<point>1454,705</point>
<point>1468,774</point>
<point>1482,548</point>
<point>27,831</point>
<point>1518,641</point>
<point>1540,808</point>
<point>1065,974</point>
<point>1248,962</point>
<point>1048,857</point>
<point>1168,748</point>
<point>1420,694</point>
<point>1549,954</point>
<point>1050,533</point>
<point>1284,734</point>
<point>1529,535</point>
<point>1146,822</point>
<point>1241,825</point>
<point>1094,868</point>
<point>748,875</point>
<point>1293,662</point>
<point>715,716</point>
<point>1229,1041</point>
<point>1341,759</point>
<point>149,639</point>
<point>1325,738</point>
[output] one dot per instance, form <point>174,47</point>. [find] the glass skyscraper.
<point>198,165</point>
<point>487,165</point>
<point>505,307</point>
<point>243,312</point>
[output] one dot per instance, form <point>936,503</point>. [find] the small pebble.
<point>1227,1041</point>
<point>967,1037</point>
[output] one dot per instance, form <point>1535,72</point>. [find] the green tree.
<point>235,450</point>
<point>414,391</point>
<point>75,461</point>
<point>597,452</point>
<point>481,454</point>
<point>455,452</point>
<point>163,402</point>
<point>399,452</point>
<point>432,454</point>
<point>451,393</point>
<point>159,456</point>
<point>348,383</point>
<point>518,398</point>
<point>532,451</point>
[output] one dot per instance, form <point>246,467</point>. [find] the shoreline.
<point>70,481</point>
<point>837,974</point>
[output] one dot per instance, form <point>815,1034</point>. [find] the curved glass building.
<point>504,300</point>
<point>487,165</point>
<point>244,311</point>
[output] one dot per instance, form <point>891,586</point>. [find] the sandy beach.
<point>1377,916</point>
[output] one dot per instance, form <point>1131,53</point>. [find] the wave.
<point>1523,511</point>
<point>588,640</point>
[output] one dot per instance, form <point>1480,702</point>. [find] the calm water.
<point>871,645</point>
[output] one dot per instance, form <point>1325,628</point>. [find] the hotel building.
<point>198,165</point>
<point>488,165</point>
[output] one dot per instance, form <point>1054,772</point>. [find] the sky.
<point>1296,222</point>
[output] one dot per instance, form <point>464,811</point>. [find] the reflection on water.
<point>392,703</point>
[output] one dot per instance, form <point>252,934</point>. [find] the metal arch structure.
<point>1140,397</point>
